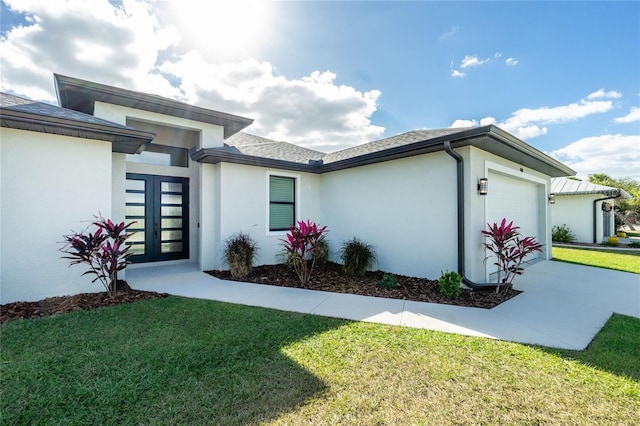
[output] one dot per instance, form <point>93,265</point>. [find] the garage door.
<point>517,201</point>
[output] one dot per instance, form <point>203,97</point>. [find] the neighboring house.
<point>586,208</point>
<point>190,179</point>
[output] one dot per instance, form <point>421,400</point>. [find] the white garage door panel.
<point>517,201</point>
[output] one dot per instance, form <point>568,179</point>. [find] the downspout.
<point>595,230</point>
<point>461,243</point>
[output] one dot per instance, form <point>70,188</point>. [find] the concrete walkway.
<point>563,305</point>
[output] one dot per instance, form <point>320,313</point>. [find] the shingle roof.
<point>244,143</point>
<point>17,103</point>
<point>24,114</point>
<point>562,186</point>
<point>402,139</point>
<point>247,144</point>
<point>253,150</point>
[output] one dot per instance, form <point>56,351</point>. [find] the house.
<point>586,208</point>
<point>190,178</point>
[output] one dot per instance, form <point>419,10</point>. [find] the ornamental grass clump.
<point>303,246</point>
<point>510,250</point>
<point>357,257</point>
<point>239,253</point>
<point>103,251</point>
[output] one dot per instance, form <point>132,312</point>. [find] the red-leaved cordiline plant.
<point>300,247</point>
<point>104,251</point>
<point>510,250</point>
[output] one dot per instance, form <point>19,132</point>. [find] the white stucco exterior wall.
<point>244,195</point>
<point>405,208</point>
<point>210,211</point>
<point>576,212</point>
<point>50,185</point>
<point>211,135</point>
<point>479,164</point>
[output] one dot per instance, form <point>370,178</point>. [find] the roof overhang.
<point>488,138</point>
<point>124,139</point>
<point>215,156</point>
<point>496,141</point>
<point>81,95</point>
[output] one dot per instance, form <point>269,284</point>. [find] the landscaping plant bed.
<point>78,302</point>
<point>332,278</point>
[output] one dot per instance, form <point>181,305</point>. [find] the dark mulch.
<point>78,302</point>
<point>602,246</point>
<point>331,278</point>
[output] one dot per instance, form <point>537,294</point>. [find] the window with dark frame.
<point>282,203</point>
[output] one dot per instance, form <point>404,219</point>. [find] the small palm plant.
<point>104,251</point>
<point>510,250</point>
<point>303,248</point>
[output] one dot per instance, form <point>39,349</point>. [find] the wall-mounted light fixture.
<point>552,198</point>
<point>483,186</point>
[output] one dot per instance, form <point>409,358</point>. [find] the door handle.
<point>155,230</point>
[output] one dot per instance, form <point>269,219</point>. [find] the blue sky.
<point>563,76</point>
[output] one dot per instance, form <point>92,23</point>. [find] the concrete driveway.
<point>563,305</point>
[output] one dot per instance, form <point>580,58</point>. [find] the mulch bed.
<point>78,302</point>
<point>327,278</point>
<point>594,245</point>
<point>332,278</point>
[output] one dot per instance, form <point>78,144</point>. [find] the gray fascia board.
<point>137,139</point>
<point>613,193</point>
<point>550,164</point>
<point>403,151</point>
<point>91,92</point>
<point>213,156</point>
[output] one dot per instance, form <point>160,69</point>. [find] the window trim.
<point>296,199</point>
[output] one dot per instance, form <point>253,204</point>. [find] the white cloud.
<point>601,94</point>
<point>497,55</point>
<point>464,123</point>
<point>94,40</point>
<point>456,73</point>
<point>449,33</point>
<point>135,46</point>
<point>512,62</point>
<point>634,115</point>
<point>527,123</point>
<point>616,155</point>
<point>472,61</point>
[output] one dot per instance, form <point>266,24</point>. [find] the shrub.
<point>357,257</point>
<point>450,284</point>
<point>301,245</point>
<point>634,244</point>
<point>239,253</point>
<point>510,249</point>
<point>321,253</point>
<point>612,241</point>
<point>388,282</point>
<point>562,234</point>
<point>104,251</point>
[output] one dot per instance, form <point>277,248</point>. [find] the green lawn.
<point>628,261</point>
<point>186,361</point>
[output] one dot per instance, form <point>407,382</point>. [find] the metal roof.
<point>562,186</point>
<point>81,95</point>
<point>24,114</point>
<point>254,150</point>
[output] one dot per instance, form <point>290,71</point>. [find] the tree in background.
<point>629,210</point>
